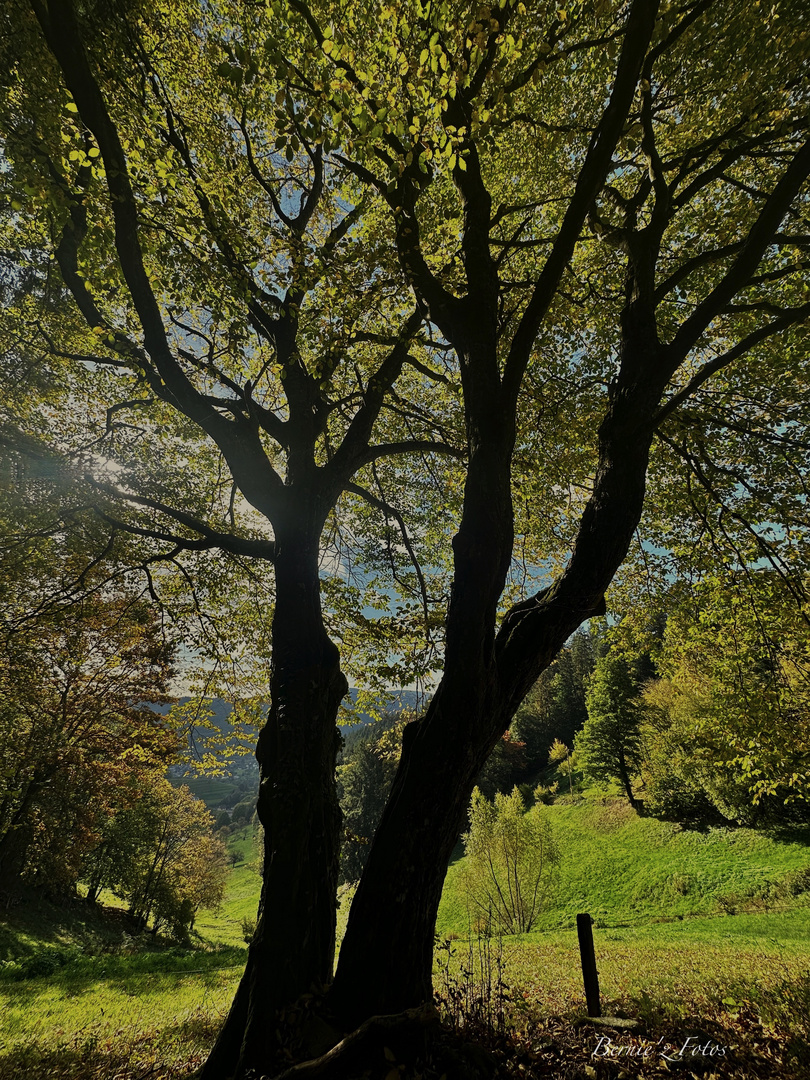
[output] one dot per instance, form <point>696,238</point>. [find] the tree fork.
<point>386,957</point>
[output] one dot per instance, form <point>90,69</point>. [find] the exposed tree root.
<point>356,1049</point>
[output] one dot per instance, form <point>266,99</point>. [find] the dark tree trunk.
<point>293,948</point>
<point>16,836</point>
<point>386,958</point>
<point>387,954</point>
<point>624,776</point>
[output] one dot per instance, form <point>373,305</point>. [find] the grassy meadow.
<point>710,927</point>
<point>692,929</point>
<point>626,870</point>
<point>211,789</point>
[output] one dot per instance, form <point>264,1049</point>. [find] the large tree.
<point>666,304</point>
<point>239,324</point>
<point>76,737</point>
<point>326,239</point>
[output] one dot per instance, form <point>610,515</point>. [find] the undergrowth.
<point>758,1030</point>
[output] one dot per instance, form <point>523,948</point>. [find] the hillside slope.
<point>627,870</point>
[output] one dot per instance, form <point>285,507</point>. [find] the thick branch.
<point>237,545</point>
<point>639,28</point>
<point>62,34</point>
<point>351,453</point>
<point>239,442</point>
<point>788,318</point>
<point>759,238</point>
<point>409,446</point>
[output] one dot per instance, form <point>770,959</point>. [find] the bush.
<point>243,811</point>
<point>541,794</point>
<point>39,965</point>
<point>794,883</point>
<point>511,856</point>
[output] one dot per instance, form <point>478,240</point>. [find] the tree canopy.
<point>305,282</point>
<point>76,735</point>
<point>725,729</point>
<point>160,855</point>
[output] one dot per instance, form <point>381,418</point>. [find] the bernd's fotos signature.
<point>690,1047</point>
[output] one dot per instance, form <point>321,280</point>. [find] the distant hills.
<point>200,734</point>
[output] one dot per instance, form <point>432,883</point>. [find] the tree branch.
<point>638,32</point>
<point>762,333</point>
<point>237,545</point>
<point>759,238</point>
<point>390,511</point>
<point>354,445</point>
<point>410,446</point>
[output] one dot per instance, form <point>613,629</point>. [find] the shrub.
<point>511,856</point>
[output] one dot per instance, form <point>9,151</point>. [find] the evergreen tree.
<point>609,745</point>
<point>367,768</point>
<point>555,707</point>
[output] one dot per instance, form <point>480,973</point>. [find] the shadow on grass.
<point>170,1052</point>
<point>790,833</point>
<point>72,971</point>
<point>91,1059</point>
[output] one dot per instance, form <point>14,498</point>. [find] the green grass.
<point>211,789</point>
<point>85,986</point>
<point>35,926</point>
<point>106,1000</point>
<point>691,928</point>
<point>108,1005</point>
<point>667,981</point>
<point>627,870</point>
<point>224,926</point>
<point>49,1026</point>
<point>244,843</point>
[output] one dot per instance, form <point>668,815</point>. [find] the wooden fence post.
<point>588,958</point>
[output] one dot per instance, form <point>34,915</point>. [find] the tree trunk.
<point>294,945</point>
<point>624,776</point>
<point>15,838</point>
<point>385,962</point>
<point>386,957</point>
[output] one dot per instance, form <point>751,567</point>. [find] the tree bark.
<point>293,948</point>
<point>624,775</point>
<point>385,962</point>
